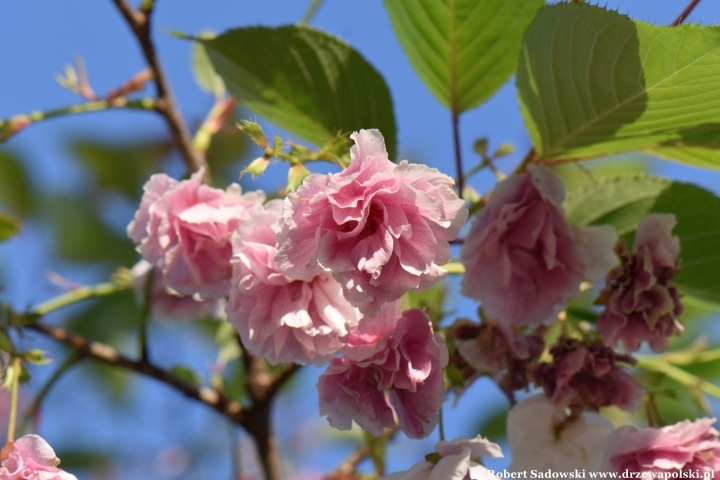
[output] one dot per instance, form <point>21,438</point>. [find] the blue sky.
<point>38,38</point>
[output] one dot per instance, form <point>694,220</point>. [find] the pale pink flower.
<point>684,447</point>
<point>455,460</point>
<point>30,457</point>
<point>167,304</point>
<point>400,358</point>
<point>381,229</point>
<point>282,319</point>
<point>523,259</point>
<point>184,229</point>
<point>588,375</point>
<point>541,436</point>
<point>640,302</point>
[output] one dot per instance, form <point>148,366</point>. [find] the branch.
<point>108,355</point>
<point>281,379</point>
<point>12,125</point>
<point>681,18</point>
<point>259,423</point>
<point>139,22</point>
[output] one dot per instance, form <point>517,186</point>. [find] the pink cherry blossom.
<point>588,375</point>
<point>541,436</point>
<point>454,460</point>
<point>30,457</point>
<point>184,229</point>
<point>640,302</point>
<point>684,447</point>
<point>400,358</point>
<point>523,259</point>
<point>281,319</point>
<point>381,229</point>
<point>167,304</point>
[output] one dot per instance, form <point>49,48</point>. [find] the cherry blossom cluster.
<point>317,275</point>
<point>317,278</point>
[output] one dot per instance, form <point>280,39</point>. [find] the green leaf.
<point>187,374</point>
<point>623,200</point>
<point>121,166</point>
<point>494,426</point>
<point>592,82</point>
<point>81,235</point>
<point>9,226</point>
<point>620,200</point>
<point>304,80</point>
<point>697,156</point>
<point>203,70</point>
<point>464,50</point>
<point>15,192</point>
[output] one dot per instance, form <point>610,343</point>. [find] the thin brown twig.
<point>139,22</point>
<point>262,388</point>
<point>108,355</point>
<point>281,378</point>
<point>688,10</point>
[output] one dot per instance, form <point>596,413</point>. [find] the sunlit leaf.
<point>593,82</point>
<point>623,200</point>
<point>304,80</point>
<point>464,50</point>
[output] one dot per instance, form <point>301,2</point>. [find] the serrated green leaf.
<point>15,192</point>
<point>623,200</point>
<point>9,226</point>
<point>593,82</point>
<point>203,70</point>
<point>620,200</point>
<point>698,156</point>
<point>464,50</point>
<point>304,80</point>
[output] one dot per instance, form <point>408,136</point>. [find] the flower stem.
<point>310,12</point>
<point>458,153</point>
<point>17,367</point>
<point>12,125</point>
<point>79,294</point>
<point>69,362</point>
<point>441,425</point>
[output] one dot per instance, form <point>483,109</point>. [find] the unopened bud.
<point>503,149</point>
<point>257,166</point>
<point>255,132</point>
<point>296,175</point>
<point>480,147</point>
